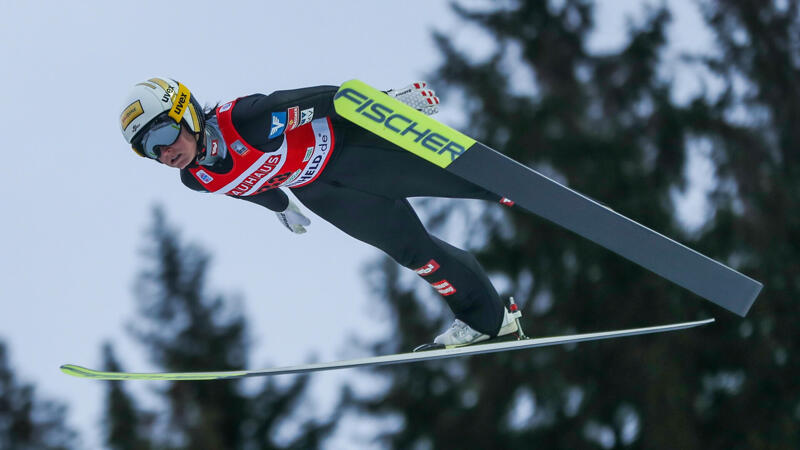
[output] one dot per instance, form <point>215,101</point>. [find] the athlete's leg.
<point>392,226</point>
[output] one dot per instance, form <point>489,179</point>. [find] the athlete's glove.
<point>418,96</point>
<point>293,219</point>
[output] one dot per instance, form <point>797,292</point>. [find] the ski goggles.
<point>162,134</point>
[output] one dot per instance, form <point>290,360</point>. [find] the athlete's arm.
<point>273,199</point>
<point>191,182</point>
<point>262,119</point>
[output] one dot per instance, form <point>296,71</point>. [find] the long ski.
<point>477,349</point>
<point>495,172</point>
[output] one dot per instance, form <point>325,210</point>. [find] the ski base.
<point>477,349</point>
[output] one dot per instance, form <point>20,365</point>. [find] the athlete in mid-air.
<point>251,147</point>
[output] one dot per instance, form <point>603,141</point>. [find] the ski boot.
<point>460,334</point>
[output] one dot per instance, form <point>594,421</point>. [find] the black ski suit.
<point>363,191</point>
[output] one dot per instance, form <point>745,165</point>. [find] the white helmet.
<point>157,98</point>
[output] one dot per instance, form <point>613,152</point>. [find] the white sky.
<point>76,200</point>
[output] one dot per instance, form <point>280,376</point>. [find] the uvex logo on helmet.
<point>167,94</point>
<point>180,101</point>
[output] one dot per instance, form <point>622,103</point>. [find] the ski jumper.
<point>353,179</point>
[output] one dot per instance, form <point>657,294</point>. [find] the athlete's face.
<point>181,152</point>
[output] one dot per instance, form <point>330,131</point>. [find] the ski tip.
<point>83,372</point>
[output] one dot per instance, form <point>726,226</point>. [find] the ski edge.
<point>83,372</point>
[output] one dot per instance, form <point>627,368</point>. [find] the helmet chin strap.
<point>210,146</point>
<point>200,148</point>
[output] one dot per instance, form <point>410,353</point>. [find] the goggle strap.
<point>136,150</point>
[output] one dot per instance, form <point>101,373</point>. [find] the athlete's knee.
<point>408,251</point>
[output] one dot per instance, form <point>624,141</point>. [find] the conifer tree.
<point>185,328</point>
<point>125,426</point>
<point>27,421</point>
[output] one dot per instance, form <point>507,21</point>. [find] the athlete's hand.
<point>418,96</point>
<point>293,219</point>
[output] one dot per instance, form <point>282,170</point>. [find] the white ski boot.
<point>460,334</point>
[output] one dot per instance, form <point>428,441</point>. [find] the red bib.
<point>298,161</point>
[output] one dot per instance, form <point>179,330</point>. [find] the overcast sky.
<point>77,200</point>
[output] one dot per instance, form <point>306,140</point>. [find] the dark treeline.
<point>611,128</point>
<point>28,421</point>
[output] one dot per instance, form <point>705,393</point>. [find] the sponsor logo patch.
<point>506,201</point>
<point>225,107</point>
<point>131,112</point>
<point>239,148</point>
<point>309,152</point>
<point>427,269</point>
<point>293,119</point>
<point>444,288</point>
<point>294,175</point>
<point>306,116</point>
<point>204,177</point>
<point>278,124</point>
